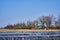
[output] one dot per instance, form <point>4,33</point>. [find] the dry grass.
<point>27,30</point>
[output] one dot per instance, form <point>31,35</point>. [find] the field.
<point>28,30</point>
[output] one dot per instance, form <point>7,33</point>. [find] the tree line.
<point>48,22</point>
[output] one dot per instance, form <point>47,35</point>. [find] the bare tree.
<point>30,24</point>
<point>57,22</point>
<point>48,20</point>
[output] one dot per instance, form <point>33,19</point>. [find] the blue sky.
<point>15,11</point>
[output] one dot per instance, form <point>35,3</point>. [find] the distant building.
<point>39,26</point>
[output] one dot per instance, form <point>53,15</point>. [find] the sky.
<point>16,11</point>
